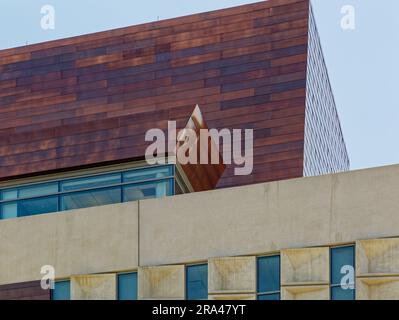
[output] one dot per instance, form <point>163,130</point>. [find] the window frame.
<point>171,178</point>
<point>186,267</point>
<point>117,283</point>
<point>332,285</point>
<point>52,290</point>
<point>268,293</point>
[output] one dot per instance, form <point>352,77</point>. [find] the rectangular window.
<point>342,273</point>
<point>127,286</point>
<point>61,291</point>
<point>38,190</point>
<point>92,198</point>
<point>268,282</point>
<point>91,182</point>
<point>147,190</point>
<point>88,191</point>
<point>197,282</point>
<point>37,206</point>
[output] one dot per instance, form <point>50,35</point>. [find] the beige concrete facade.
<point>94,287</point>
<point>228,229</point>
<point>94,240</point>
<point>257,219</point>
<point>232,275</point>
<point>308,266</point>
<point>164,282</point>
<point>305,293</point>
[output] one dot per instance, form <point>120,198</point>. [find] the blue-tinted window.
<point>29,207</point>
<point>268,282</point>
<point>38,190</point>
<point>9,210</point>
<point>147,190</point>
<point>92,198</point>
<point>197,282</point>
<point>84,192</point>
<point>343,273</point>
<point>337,293</point>
<point>127,286</point>
<point>37,206</point>
<point>61,291</point>
<point>91,182</point>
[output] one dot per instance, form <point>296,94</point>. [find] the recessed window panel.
<point>61,291</point>
<point>127,286</point>
<point>343,273</point>
<point>197,282</point>
<point>147,190</point>
<point>37,206</point>
<point>92,198</point>
<point>268,274</point>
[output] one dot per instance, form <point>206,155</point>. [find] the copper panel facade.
<point>89,100</point>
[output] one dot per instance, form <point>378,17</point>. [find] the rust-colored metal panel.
<point>89,100</point>
<point>24,291</point>
<point>202,176</point>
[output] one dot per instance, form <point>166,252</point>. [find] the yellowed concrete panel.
<point>232,297</point>
<point>232,275</point>
<point>160,283</point>
<point>305,293</point>
<point>377,257</point>
<point>87,241</point>
<point>305,266</point>
<point>258,219</point>
<point>377,288</point>
<point>94,287</point>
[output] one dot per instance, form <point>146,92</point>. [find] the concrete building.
<point>78,200</point>
<point>220,243</point>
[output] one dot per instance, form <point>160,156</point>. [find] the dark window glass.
<point>343,273</point>
<point>197,282</point>
<point>61,291</point>
<point>127,286</point>
<point>147,190</point>
<point>269,274</point>
<point>337,293</point>
<point>270,297</point>
<point>91,182</point>
<point>86,199</point>
<point>37,206</point>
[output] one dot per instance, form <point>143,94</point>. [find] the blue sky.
<point>363,63</point>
